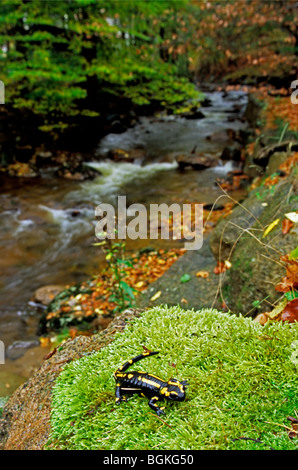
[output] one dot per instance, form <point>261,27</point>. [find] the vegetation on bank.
<point>73,69</point>
<point>240,392</point>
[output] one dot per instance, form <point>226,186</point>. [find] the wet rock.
<point>206,103</point>
<point>196,162</point>
<point>46,294</point>
<point>120,155</point>
<point>21,170</point>
<point>231,152</point>
<point>18,348</point>
<point>79,172</point>
<point>43,158</point>
<point>197,114</point>
<point>224,135</point>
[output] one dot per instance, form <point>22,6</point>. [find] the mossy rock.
<point>242,382</point>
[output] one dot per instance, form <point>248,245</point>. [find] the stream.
<point>47,224</point>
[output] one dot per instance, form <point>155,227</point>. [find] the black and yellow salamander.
<point>147,385</point>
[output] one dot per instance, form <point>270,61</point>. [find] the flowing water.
<point>47,224</point>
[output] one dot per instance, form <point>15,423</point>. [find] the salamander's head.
<point>175,390</point>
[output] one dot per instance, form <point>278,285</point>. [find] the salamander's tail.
<point>129,363</point>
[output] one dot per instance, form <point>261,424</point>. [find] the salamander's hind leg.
<point>155,407</point>
<point>119,397</point>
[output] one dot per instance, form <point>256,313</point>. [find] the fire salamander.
<point>147,385</point>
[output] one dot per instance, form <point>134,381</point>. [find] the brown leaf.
<point>286,226</point>
<point>290,281</point>
<point>220,268</point>
<point>290,312</point>
<point>202,274</point>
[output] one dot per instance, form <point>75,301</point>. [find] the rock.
<point>256,267</point>
<point>77,172</point>
<point>46,294</point>
<point>275,161</point>
<point>18,348</point>
<point>196,162</point>
<point>262,153</point>
<point>25,421</point>
<point>21,170</point>
<point>197,114</point>
<point>224,135</point>
<point>198,292</point>
<point>120,155</point>
<point>206,103</point>
<point>43,158</point>
<point>231,152</point>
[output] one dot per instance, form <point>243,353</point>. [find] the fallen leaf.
<point>139,284</point>
<point>270,227</point>
<point>290,312</point>
<point>228,264</point>
<point>44,341</point>
<point>287,224</point>
<point>202,274</point>
<point>293,256</point>
<point>262,318</point>
<point>293,217</point>
<point>276,312</point>
<point>156,296</point>
<point>219,268</point>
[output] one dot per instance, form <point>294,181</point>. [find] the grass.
<point>242,384</point>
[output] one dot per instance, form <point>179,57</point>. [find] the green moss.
<point>241,381</point>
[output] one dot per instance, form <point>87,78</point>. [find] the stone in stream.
<point>18,348</point>
<point>196,161</point>
<point>46,294</point>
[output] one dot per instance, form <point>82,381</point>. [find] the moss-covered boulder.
<point>242,383</point>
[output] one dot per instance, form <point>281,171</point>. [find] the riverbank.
<point>196,281</point>
<point>48,221</point>
<point>68,219</point>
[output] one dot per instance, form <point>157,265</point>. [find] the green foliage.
<point>122,293</point>
<point>243,383</point>
<point>62,60</point>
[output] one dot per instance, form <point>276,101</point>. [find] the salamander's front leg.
<point>119,397</point>
<point>155,407</point>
